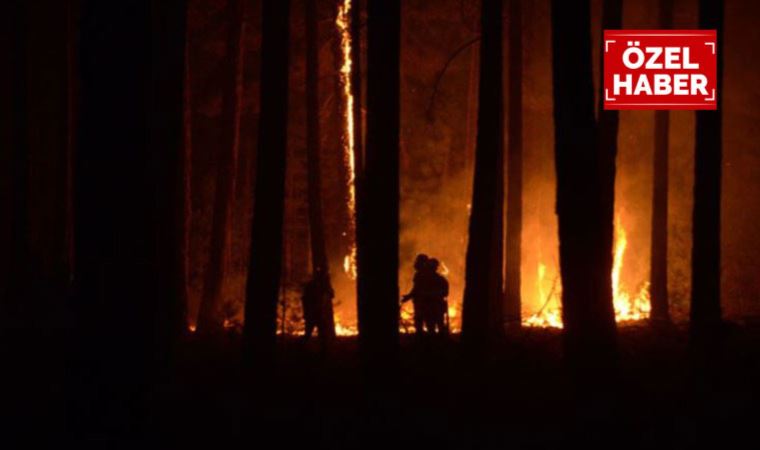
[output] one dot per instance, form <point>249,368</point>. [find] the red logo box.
<point>660,69</point>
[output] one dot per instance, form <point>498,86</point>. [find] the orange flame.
<point>628,308</point>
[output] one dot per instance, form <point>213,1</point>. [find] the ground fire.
<point>628,307</point>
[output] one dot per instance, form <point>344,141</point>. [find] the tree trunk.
<point>587,312</point>
<point>319,262</point>
<point>481,318</point>
<point>168,140</point>
<point>128,213</point>
<point>265,264</point>
<point>705,256</point>
<point>209,319</point>
<point>472,105</point>
<point>607,135</point>
<point>186,164</point>
<point>72,91</point>
<point>356,84</point>
<point>20,241</point>
<point>513,255</point>
<point>658,271</point>
<point>378,200</point>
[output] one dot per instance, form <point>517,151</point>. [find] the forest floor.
<point>519,397</point>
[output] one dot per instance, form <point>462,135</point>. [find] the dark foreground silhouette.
<point>518,397</point>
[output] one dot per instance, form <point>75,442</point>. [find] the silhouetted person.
<point>420,293</point>
<point>317,292</point>
<point>437,308</point>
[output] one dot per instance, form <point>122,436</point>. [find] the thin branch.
<point>439,77</point>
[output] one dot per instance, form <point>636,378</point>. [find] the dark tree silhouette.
<point>607,135</point>
<point>167,134</point>
<point>481,315</point>
<point>378,200</point>
<point>356,84</point>
<point>227,155</point>
<point>17,138</point>
<point>705,256</point>
<point>185,191</point>
<point>316,224</point>
<point>658,271</point>
<point>262,291</point>
<point>513,254</point>
<point>127,308</point>
<point>587,312</point>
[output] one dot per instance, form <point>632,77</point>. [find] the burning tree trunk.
<point>705,256</point>
<point>319,262</point>
<point>658,273</point>
<point>587,311</point>
<point>514,168</point>
<point>265,264</point>
<point>481,315</point>
<point>208,316</point>
<point>378,207</point>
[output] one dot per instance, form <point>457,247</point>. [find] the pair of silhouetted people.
<point>428,295</point>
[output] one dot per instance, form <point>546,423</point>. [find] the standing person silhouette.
<point>438,305</point>
<point>420,293</point>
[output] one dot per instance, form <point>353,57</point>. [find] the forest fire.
<point>343,22</point>
<point>628,307</point>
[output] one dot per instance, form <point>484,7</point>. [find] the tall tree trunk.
<point>705,256</point>
<point>168,138</point>
<point>265,264</point>
<point>127,213</point>
<point>378,200</point>
<point>46,83</point>
<point>607,136</point>
<point>513,256</point>
<point>658,270</point>
<point>472,105</point>
<point>481,315</point>
<point>587,312</point>
<point>209,319</point>
<point>356,84</point>
<point>186,178</point>
<point>19,269</point>
<point>319,262</point>
<point>72,88</point>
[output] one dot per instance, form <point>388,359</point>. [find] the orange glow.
<point>628,307</point>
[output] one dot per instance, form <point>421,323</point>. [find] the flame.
<point>295,327</point>
<point>343,22</point>
<point>628,308</point>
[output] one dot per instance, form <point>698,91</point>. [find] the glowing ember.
<point>343,22</point>
<point>628,308</point>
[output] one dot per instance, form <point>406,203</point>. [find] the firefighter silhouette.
<point>428,295</point>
